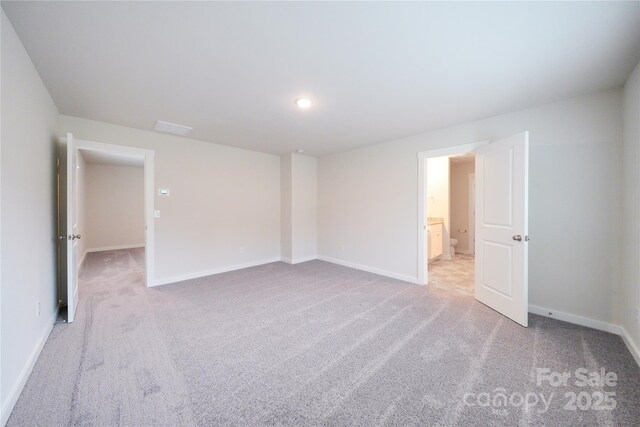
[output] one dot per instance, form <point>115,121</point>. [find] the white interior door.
<point>501,226</point>
<point>73,234</point>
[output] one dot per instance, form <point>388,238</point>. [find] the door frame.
<point>423,268</point>
<point>149,175</point>
<point>471,214</point>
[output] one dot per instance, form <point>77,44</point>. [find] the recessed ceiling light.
<point>172,128</point>
<point>299,151</point>
<point>304,103</point>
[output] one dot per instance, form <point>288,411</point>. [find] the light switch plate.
<point>164,192</point>
<point>156,214</point>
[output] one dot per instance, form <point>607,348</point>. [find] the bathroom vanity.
<point>435,234</point>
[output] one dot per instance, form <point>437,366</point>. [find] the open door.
<point>67,225</point>
<point>502,181</point>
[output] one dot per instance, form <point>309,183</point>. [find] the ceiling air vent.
<point>171,128</point>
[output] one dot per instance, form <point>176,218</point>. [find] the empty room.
<point>320,213</point>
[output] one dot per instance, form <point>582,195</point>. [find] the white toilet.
<point>452,250</point>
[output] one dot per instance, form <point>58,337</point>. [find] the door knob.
<point>517,238</point>
<point>76,236</point>
<point>62,237</point>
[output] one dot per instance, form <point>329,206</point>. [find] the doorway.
<point>423,201</point>
<point>499,236</point>
<point>77,234</point>
<point>450,214</point>
<point>111,201</point>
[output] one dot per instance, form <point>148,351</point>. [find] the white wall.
<point>28,243</point>
<point>304,172</point>
<point>224,207</point>
<point>459,206</point>
<point>286,214</point>
<point>438,196</point>
<point>368,200</point>
<point>114,206</point>
<point>299,207</point>
<point>81,207</point>
<point>630,290</point>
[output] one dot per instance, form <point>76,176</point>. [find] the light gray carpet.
<point>311,344</point>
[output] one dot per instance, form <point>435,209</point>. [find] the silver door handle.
<point>62,237</point>
<point>517,238</point>
<point>76,236</point>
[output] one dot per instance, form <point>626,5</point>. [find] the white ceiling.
<point>115,159</point>
<point>377,71</point>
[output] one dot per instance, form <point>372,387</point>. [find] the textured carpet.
<point>310,344</point>
<point>456,274</point>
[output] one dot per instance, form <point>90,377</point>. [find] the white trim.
<point>464,252</point>
<point>575,319</point>
<point>422,193</point>
<point>298,260</point>
<point>373,270</point>
<point>149,235</point>
<point>423,245</point>
<point>116,248</point>
<point>189,276</point>
<point>112,148</point>
<point>149,195</point>
<point>471,217</point>
<point>633,349</point>
<point>70,219</point>
<point>16,390</point>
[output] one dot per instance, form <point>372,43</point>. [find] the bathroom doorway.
<point>450,201</point>
<point>498,244</point>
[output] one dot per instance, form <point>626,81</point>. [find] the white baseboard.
<point>464,251</point>
<point>373,270</point>
<point>298,260</point>
<point>189,276</point>
<point>633,348</point>
<point>14,394</point>
<point>115,248</point>
<point>575,319</point>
